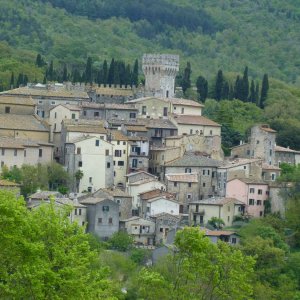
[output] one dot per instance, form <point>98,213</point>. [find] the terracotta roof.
<point>4,182</point>
<point>85,126</point>
<point>267,129</point>
<point>164,214</point>
<point>142,181</point>
<point>283,149</point>
<point>138,128</point>
<point>250,181</point>
<point>268,167</point>
<point>238,162</point>
<point>153,148</point>
<point>18,143</point>
<point>220,201</point>
<point>43,195</point>
<point>114,91</point>
<point>108,106</point>
<point>68,106</point>
<point>183,177</point>
<point>94,200</point>
<point>174,101</point>
<point>217,232</point>
<point>57,92</point>
<point>24,101</point>
<point>22,122</point>
<point>155,193</point>
<point>193,160</point>
<point>159,123</point>
<point>194,120</point>
<point>115,193</point>
<point>117,135</point>
<point>140,172</point>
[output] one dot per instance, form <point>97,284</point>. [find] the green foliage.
<point>139,256</point>
<point>216,223</point>
<point>121,241</point>
<point>44,256</point>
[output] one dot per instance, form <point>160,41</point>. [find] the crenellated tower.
<point>160,71</point>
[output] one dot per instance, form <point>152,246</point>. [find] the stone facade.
<point>160,71</point>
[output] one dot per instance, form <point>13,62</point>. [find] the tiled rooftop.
<point>194,120</point>
<point>21,100</point>
<point>182,177</point>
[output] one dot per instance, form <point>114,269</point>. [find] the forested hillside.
<point>210,34</point>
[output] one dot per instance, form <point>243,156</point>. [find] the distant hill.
<point>211,34</point>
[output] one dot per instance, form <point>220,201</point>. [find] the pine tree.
<point>12,80</point>
<point>245,86</point>
<point>252,93</point>
<point>202,88</point>
<point>219,85</point>
<point>88,71</point>
<point>65,74</point>
<point>186,79</point>
<point>105,72</point>
<point>264,91</point>
<point>135,73</point>
<point>111,72</point>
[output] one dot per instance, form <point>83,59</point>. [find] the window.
<point>89,189</point>
<point>233,240</point>
<point>203,172</point>
<point>132,115</point>
<point>144,108</point>
<point>107,152</point>
<point>124,143</point>
<point>191,131</point>
<point>259,192</point>
<point>228,208</point>
<point>118,142</point>
<point>78,150</point>
<point>210,132</point>
<point>134,163</point>
<point>121,163</point>
<point>80,164</point>
<point>189,196</point>
<point>79,211</point>
<point>7,109</point>
<point>75,212</point>
<point>175,184</point>
<point>228,218</point>
<point>52,102</point>
<point>182,110</point>
<point>258,202</point>
<point>248,152</point>
<point>118,153</point>
<point>90,179</point>
<point>252,190</point>
<point>189,184</point>
<point>15,152</point>
<point>73,116</point>
<point>203,184</point>
<point>105,208</point>
<point>188,170</point>
<point>99,220</point>
<point>3,151</point>
<point>108,165</point>
<point>161,229</point>
<point>97,143</point>
<point>261,213</point>
<point>96,114</point>
<point>273,176</point>
<point>110,221</point>
<point>208,172</point>
<point>251,201</point>
<point>25,153</point>
<point>124,151</point>
<point>40,152</point>
<point>162,157</point>
<point>165,112</point>
<point>55,115</point>
<point>2,163</point>
<point>84,112</point>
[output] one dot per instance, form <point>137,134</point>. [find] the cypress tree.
<point>50,72</point>
<point>264,91</point>
<point>186,79</point>
<point>245,86</point>
<point>128,75</point>
<point>20,80</point>
<point>25,80</point>
<point>116,73</point>
<point>257,100</point>
<point>111,72</point>
<point>135,73</point>
<point>202,88</point>
<point>238,89</point>
<point>44,80</point>
<point>122,72</point>
<point>231,92</point>
<point>12,80</point>
<point>219,85</point>
<point>225,90</point>
<point>76,76</point>
<point>252,93</point>
<point>100,76</point>
<point>88,71</point>
<point>65,73</point>
<point>105,72</point>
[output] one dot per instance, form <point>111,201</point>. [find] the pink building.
<point>252,192</point>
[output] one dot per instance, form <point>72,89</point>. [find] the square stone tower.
<point>160,71</point>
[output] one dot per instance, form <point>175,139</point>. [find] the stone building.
<point>106,111</point>
<point>160,71</point>
<point>46,96</point>
<point>261,145</point>
<point>102,216</point>
<point>286,155</point>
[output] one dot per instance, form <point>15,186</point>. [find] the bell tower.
<point>160,71</point>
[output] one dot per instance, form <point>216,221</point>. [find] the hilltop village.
<point>139,159</point>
